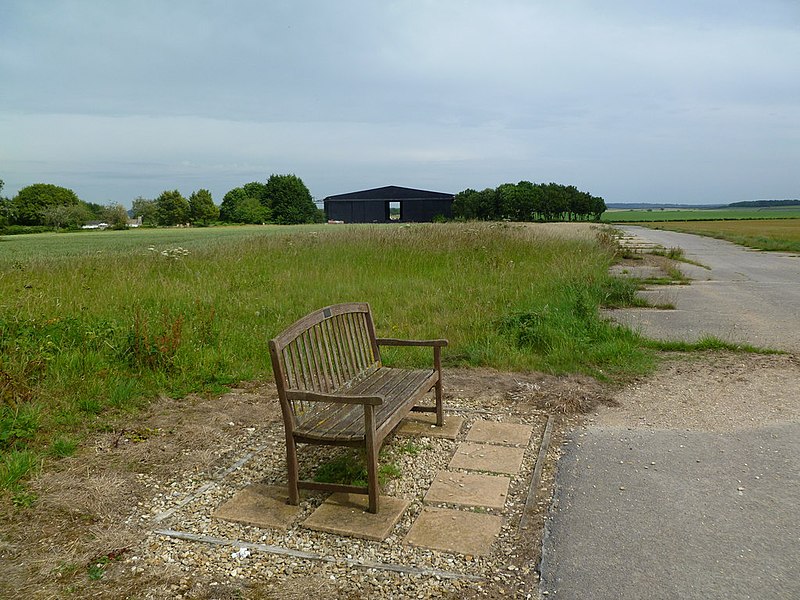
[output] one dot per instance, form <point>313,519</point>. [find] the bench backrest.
<point>324,351</point>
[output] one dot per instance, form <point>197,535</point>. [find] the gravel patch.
<point>347,565</point>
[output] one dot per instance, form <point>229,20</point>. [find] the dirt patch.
<point>87,528</point>
<point>712,392</point>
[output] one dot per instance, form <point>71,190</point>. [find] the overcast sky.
<point>689,101</point>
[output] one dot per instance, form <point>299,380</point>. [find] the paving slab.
<point>487,457</point>
<point>260,505</point>
<point>492,432</point>
<point>424,425</point>
<point>456,531</point>
<point>469,489</point>
<point>345,514</point>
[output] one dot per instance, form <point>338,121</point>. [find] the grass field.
<point>700,214</point>
<point>776,235</point>
<point>92,325</point>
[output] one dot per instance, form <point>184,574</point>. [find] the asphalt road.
<point>743,296</point>
<point>689,513</point>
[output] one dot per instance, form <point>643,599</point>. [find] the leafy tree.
<point>116,216</point>
<point>63,215</point>
<point>30,202</point>
<point>202,207</point>
<point>5,208</point>
<point>147,209</point>
<point>508,202</point>
<point>527,201</point>
<point>290,200</point>
<point>97,211</point>
<point>464,204</point>
<point>172,208</point>
<point>598,207</point>
<point>250,210</point>
<point>246,204</point>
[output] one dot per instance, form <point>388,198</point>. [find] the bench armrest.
<point>396,342</point>
<point>305,396</point>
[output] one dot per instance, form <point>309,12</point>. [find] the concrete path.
<point>676,514</point>
<point>685,513</point>
<point>743,296</point>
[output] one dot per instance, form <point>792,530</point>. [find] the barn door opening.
<point>395,213</point>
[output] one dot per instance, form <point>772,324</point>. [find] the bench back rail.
<point>327,351</point>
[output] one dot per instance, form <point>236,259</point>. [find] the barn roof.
<point>391,192</point>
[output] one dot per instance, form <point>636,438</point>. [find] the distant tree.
<point>172,208</point>
<point>598,207</point>
<point>488,205</point>
<point>5,207</point>
<point>147,209</point>
<point>202,207</point>
<point>116,216</point>
<point>29,204</point>
<point>97,211</point>
<point>527,201</point>
<point>63,215</point>
<point>250,210</point>
<point>464,204</point>
<point>246,204</point>
<point>290,200</point>
<point>508,205</point>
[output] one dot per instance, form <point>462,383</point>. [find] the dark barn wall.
<point>356,211</point>
<point>372,206</point>
<point>425,210</point>
<point>374,211</point>
<point>339,211</point>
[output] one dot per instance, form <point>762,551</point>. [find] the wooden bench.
<point>334,390</point>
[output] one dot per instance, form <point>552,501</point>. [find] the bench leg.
<point>372,458</point>
<point>292,470</point>
<point>437,363</point>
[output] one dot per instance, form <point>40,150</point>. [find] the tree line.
<point>526,201</point>
<point>283,199</point>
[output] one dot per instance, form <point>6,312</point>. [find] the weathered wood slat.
<point>334,390</point>
<point>345,422</point>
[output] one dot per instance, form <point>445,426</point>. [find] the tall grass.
<point>85,336</point>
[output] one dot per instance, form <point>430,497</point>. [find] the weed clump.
<point>154,347</point>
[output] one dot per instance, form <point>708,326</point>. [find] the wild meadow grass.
<point>89,332</point>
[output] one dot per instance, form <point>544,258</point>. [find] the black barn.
<point>373,206</point>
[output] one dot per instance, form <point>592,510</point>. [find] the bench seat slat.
<point>345,422</point>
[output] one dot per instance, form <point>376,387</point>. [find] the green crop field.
<point>700,214</point>
<point>92,325</point>
<point>783,235</point>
